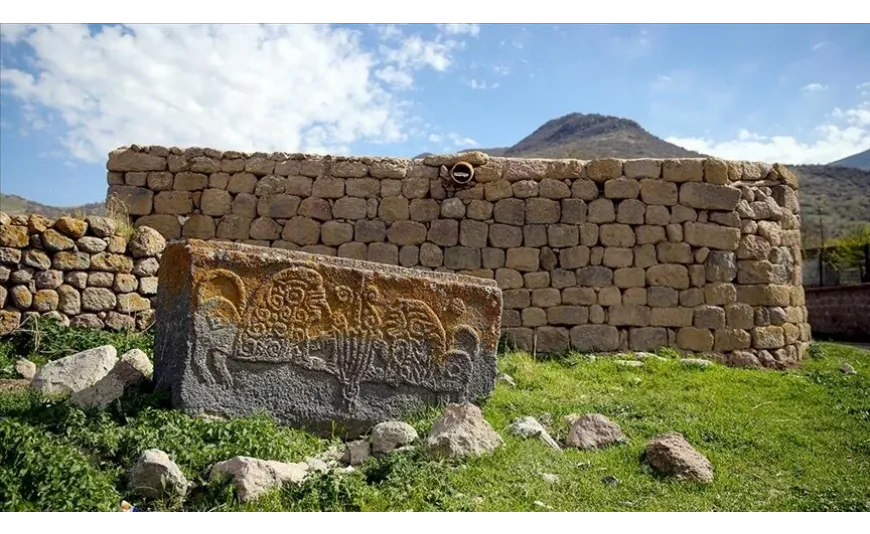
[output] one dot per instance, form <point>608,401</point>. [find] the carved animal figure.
<point>288,320</point>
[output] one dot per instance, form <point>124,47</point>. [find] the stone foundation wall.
<point>81,272</point>
<point>842,311</point>
<point>698,254</point>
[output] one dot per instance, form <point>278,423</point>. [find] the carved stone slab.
<point>329,344</point>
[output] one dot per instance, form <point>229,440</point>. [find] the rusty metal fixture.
<point>462,173</point>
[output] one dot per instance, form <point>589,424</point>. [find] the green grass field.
<point>795,440</point>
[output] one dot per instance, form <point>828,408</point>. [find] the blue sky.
<point>70,94</point>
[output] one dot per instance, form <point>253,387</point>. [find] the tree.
<point>853,251</point>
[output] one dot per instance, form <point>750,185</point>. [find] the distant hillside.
<point>843,193</point>
<point>16,205</point>
<point>861,160</point>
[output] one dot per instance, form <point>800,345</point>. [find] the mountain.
<point>590,136</point>
<point>16,205</point>
<point>861,160</point>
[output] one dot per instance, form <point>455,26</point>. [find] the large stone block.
<point>319,341</point>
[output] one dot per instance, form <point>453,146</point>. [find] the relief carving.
<point>349,329</point>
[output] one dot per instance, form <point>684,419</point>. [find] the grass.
<point>796,440</point>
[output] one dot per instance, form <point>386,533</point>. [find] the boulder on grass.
<point>76,372</point>
<point>156,476</point>
<point>253,477</point>
<point>671,455</point>
<point>390,435</point>
<point>594,431</point>
<point>133,368</point>
<point>462,431</point>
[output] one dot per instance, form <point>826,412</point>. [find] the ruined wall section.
<point>698,254</point>
<point>90,272</point>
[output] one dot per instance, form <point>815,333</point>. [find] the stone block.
<point>239,328</point>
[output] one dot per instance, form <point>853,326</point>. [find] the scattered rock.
<point>696,362</point>
<point>316,465</point>
<point>628,363</point>
<point>610,480</point>
<point>550,478</point>
<point>390,435</point>
<point>133,368</point>
<point>76,372</point>
<point>462,431</point>
<point>846,368</point>
<point>529,427</point>
<point>594,431</point>
<point>539,504</point>
<point>642,356</point>
<point>26,369</point>
<point>506,378</point>
<point>156,476</point>
<point>670,454</point>
<point>253,477</point>
<point>635,381</point>
<point>356,452</point>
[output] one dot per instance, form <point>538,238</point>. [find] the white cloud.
<point>633,46</point>
<point>863,88</point>
<point>504,70</point>
<point>452,138</point>
<point>310,88</point>
<point>460,29</point>
<point>673,81</point>
<point>814,87</point>
<point>846,133</point>
<point>818,46</point>
<point>482,85</point>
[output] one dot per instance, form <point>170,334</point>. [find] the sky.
<point>69,94</point>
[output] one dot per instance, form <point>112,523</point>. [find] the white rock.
<point>25,368</point>
<point>628,363</point>
<point>506,378</point>
<point>134,367</point>
<point>847,369</point>
<point>648,356</point>
<point>76,372</point>
<point>696,362</point>
<point>356,452</point>
<point>390,435</point>
<point>156,476</point>
<point>462,431</point>
<point>550,478</point>
<point>594,431</point>
<point>253,477</point>
<point>529,427</point>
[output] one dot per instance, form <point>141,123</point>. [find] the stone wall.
<point>81,272</point>
<point>840,312</point>
<point>698,254</point>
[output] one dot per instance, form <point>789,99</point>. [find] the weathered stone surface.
<point>359,342</point>
<point>462,431</point>
<point>253,477</point>
<point>529,427</point>
<point>671,455</point>
<point>708,196</point>
<point>594,337</point>
<point>390,435</point>
<point>76,372</point>
<point>156,476</point>
<point>594,431</point>
<point>133,367</point>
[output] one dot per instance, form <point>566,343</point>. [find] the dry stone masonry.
<point>331,344</point>
<point>698,254</point>
<point>80,272</point>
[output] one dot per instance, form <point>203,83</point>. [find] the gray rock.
<point>462,431</point>
<point>643,356</point>
<point>26,369</point>
<point>628,363</point>
<point>156,476</point>
<point>253,477</point>
<point>671,455</point>
<point>594,431</point>
<point>146,242</point>
<point>529,427</point>
<point>133,368</point>
<point>76,372</point>
<point>357,452</point>
<point>696,362</point>
<point>846,369</point>
<point>331,344</point>
<point>390,435</point>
